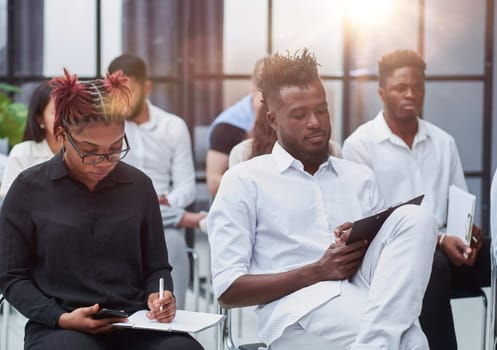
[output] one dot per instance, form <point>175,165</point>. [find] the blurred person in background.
<point>230,128</point>
<point>39,142</point>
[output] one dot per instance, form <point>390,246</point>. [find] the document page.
<point>460,213</point>
<point>185,321</point>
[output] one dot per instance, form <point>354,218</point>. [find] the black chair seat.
<point>468,293</point>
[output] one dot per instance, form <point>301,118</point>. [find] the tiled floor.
<point>466,312</point>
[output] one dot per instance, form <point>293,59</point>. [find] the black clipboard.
<point>367,228</point>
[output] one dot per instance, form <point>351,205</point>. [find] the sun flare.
<point>368,11</point>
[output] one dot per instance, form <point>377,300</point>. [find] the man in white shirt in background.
<point>410,156</point>
<point>161,148</point>
<point>277,233</point>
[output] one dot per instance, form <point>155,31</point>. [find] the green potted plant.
<point>13,115</point>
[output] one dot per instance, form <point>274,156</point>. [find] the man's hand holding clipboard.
<point>343,257</point>
<point>463,240</point>
<point>366,229</point>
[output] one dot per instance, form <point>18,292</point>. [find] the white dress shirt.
<point>429,167</point>
<point>271,216</point>
<point>493,214</point>
<point>22,156</point>
<point>161,148</point>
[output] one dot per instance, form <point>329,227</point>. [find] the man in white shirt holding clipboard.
<point>271,233</point>
<point>410,156</point>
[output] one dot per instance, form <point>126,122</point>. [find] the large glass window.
<point>386,26</point>
<point>70,33</point>
<point>455,40</point>
<point>295,26</point>
<point>457,108</point>
<point>201,54</point>
<point>244,35</point>
<point>112,36</point>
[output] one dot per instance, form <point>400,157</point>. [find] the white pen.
<point>161,290</point>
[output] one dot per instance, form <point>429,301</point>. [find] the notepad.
<point>367,228</point>
<point>185,321</point>
<point>460,214</point>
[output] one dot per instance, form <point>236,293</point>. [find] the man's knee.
<point>415,214</point>
<point>409,216</point>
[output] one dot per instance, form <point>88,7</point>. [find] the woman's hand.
<point>81,319</point>
<point>163,310</point>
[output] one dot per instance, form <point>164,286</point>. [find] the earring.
<point>42,126</point>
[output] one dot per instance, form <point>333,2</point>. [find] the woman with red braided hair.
<point>83,231</point>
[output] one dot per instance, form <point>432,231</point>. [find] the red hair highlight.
<point>118,92</point>
<point>71,98</point>
<point>100,99</point>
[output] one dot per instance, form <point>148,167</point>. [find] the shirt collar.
<point>285,160</point>
<point>423,132</point>
<point>381,128</point>
<point>58,170</point>
<point>383,131</point>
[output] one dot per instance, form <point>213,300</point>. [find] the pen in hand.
<point>161,290</point>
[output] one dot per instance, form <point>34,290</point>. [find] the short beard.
<point>317,157</point>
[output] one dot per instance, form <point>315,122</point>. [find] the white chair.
<point>227,335</point>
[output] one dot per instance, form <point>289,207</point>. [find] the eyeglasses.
<point>95,158</point>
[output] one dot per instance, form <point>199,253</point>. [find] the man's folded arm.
<point>253,289</point>
<point>339,262</point>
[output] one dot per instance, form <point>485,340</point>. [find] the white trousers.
<point>379,305</point>
<point>178,258</point>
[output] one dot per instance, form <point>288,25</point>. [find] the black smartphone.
<point>107,313</point>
